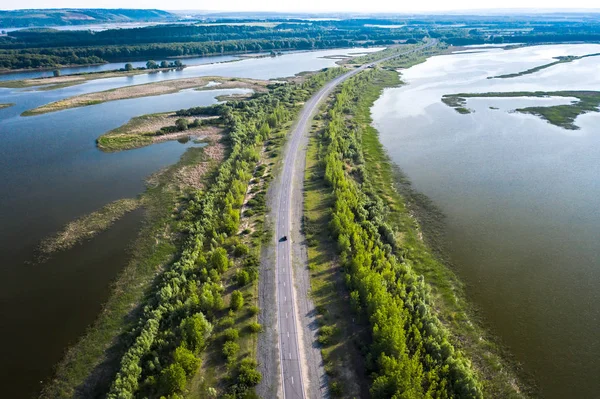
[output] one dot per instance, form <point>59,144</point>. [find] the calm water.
<point>521,198</point>
<point>110,67</point>
<point>52,173</point>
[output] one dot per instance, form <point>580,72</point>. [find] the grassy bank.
<point>88,226</point>
<point>6,105</point>
<point>146,90</point>
<point>559,115</point>
<point>444,293</point>
<point>144,130</point>
<point>560,60</point>
<point>89,366</point>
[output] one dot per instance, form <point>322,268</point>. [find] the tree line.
<point>410,354</point>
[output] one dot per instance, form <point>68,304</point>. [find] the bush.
<point>248,375</point>
<point>240,250</point>
<point>326,334</point>
<point>254,310</point>
<point>231,334</point>
<point>242,277</point>
<point>237,300</point>
<point>172,379</point>
<point>182,124</point>
<point>255,327</point>
<point>230,350</point>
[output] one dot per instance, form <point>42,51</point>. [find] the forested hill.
<point>64,16</point>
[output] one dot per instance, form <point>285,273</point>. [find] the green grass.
<point>122,138</point>
<point>6,105</point>
<point>561,60</point>
<point>559,115</point>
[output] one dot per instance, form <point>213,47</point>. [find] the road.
<point>292,374</point>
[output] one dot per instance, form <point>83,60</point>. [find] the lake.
<point>51,173</point>
<point>521,198</point>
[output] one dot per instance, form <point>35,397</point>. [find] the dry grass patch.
<point>89,225</point>
<point>146,90</point>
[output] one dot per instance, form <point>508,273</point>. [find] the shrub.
<point>248,375</point>
<point>326,334</point>
<point>237,300</point>
<point>254,310</point>
<point>231,334</point>
<point>182,124</point>
<point>240,250</point>
<point>172,379</point>
<point>230,350</point>
<point>255,327</point>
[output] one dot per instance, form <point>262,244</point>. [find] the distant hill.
<point>64,16</point>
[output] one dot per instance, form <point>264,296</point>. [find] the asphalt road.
<point>292,380</point>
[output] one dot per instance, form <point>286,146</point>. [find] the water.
<point>521,199</point>
<point>109,67</point>
<point>51,173</point>
<point>292,62</point>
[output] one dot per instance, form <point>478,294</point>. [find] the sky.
<point>368,6</point>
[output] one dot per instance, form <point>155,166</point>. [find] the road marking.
<point>286,315</point>
<point>292,380</point>
<point>288,334</point>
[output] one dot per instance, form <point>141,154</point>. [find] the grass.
<point>560,60</point>
<point>6,105</point>
<point>88,226</point>
<point>89,366</point>
<point>559,115</point>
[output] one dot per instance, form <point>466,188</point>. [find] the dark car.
<point>284,238</point>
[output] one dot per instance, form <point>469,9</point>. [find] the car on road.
<point>284,238</point>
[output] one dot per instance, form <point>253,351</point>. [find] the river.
<point>521,200</point>
<point>51,173</point>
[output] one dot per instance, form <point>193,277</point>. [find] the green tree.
<point>237,300</point>
<point>195,330</point>
<point>248,374</point>
<point>164,64</point>
<point>182,124</point>
<point>172,379</point>
<point>219,260</point>
<point>151,65</point>
<point>186,359</point>
<point>56,73</point>
<point>128,67</point>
